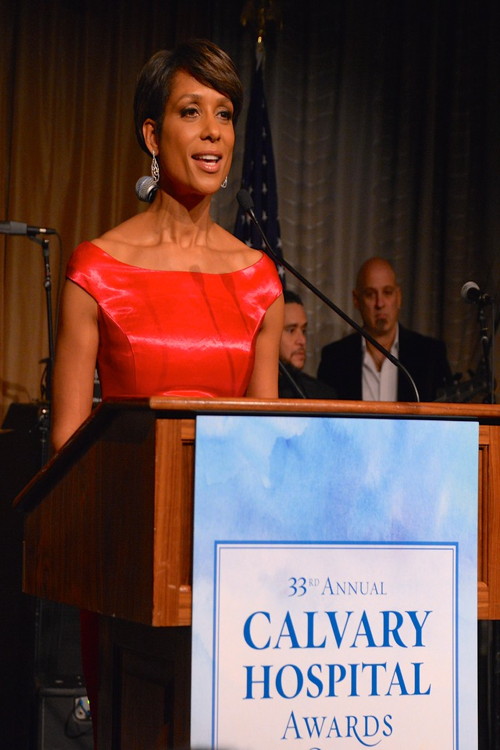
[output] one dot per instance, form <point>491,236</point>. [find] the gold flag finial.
<point>261,14</point>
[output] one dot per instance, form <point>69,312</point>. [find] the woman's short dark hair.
<point>200,58</point>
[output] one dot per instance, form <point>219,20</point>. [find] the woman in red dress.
<point>169,302</point>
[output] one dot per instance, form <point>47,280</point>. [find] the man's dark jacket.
<point>424,358</point>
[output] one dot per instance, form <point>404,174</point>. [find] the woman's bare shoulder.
<point>228,243</point>
<point>122,240</point>
<point>125,232</point>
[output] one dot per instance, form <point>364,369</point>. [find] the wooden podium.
<point>109,527</point>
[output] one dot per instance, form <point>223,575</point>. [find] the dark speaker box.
<point>57,645</point>
<point>63,719</point>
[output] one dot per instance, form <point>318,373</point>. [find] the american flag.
<point>258,175</point>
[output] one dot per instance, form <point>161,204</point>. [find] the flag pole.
<point>259,172</point>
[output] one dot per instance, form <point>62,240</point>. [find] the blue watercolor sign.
<point>335,584</point>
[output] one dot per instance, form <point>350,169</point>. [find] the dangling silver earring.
<point>155,169</point>
<point>224,184</point>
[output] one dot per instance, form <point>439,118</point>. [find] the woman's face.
<point>195,146</point>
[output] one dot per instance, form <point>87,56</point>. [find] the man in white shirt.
<point>377,296</point>
<point>358,370</point>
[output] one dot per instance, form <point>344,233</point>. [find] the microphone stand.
<point>246,203</point>
<point>487,347</point>
<point>44,416</point>
<point>288,375</point>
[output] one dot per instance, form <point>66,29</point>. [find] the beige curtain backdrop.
<point>69,159</point>
<point>384,119</point>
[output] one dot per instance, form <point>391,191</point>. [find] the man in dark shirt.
<point>293,382</point>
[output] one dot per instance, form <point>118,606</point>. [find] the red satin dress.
<point>174,332</point>
<point>169,333</point>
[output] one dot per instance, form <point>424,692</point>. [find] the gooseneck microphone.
<point>246,204</point>
<point>19,228</point>
<point>472,294</point>
<point>145,189</point>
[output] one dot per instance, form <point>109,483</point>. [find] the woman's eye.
<point>189,112</point>
<point>226,114</point>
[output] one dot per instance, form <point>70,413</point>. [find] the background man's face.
<point>378,299</point>
<point>293,338</point>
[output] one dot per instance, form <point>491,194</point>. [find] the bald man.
<point>359,371</point>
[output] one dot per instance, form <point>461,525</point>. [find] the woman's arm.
<point>264,380</point>
<point>75,360</point>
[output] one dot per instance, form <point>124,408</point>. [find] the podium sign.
<point>334,583</point>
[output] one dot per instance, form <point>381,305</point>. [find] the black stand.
<point>44,415</point>
<point>24,625</point>
<point>487,346</point>
<point>288,375</point>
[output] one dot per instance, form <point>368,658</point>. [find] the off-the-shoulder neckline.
<point>166,270</point>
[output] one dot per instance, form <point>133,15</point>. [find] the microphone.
<point>19,228</point>
<point>246,204</point>
<point>145,189</point>
<point>472,294</point>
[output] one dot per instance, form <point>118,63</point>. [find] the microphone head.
<point>245,200</point>
<point>145,189</point>
<point>470,292</point>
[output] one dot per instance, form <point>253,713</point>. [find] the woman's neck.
<point>183,223</point>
